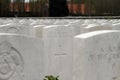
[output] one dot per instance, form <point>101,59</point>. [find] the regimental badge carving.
<point>12,30</point>
<point>11,62</point>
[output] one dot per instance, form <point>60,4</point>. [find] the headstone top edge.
<point>116,24</point>
<point>91,25</point>
<point>38,26</point>
<point>3,25</point>
<point>94,33</point>
<point>54,26</point>
<point>17,35</point>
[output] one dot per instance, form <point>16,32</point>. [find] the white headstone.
<point>42,22</point>
<point>58,41</point>
<point>116,26</point>
<point>21,58</point>
<point>97,56</point>
<point>61,22</point>
<point>96,27</point>
<point>15,28</point>
<point>77,24</point>
<point>38,31</point>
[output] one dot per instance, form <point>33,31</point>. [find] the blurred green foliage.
<point>51,77</point>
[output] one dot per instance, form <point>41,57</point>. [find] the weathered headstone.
<point>96,27</point>
<point>21,58</point>
<point>58,41</point>
<point>116,26</point>
<point>38,31</point>
<point>61,22</point>
<point>76,24</point>
<point>42,22</point>
<point>16,28</point>
<point>97,56</point>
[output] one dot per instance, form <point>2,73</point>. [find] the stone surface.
<point>57,48</point>
<point>37,31</point>
<point>61,22</point>
<point>116,26</point>
<point>97,56</point>
<point>16,28</point>
<point>76,24</point>
<point>96,27</point>
<point>58,41</point>
<point>42,22</point>
<point>21,58</point>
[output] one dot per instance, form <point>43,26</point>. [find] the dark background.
<point>59,8</point>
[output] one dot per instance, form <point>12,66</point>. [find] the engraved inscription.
<point>109,53</point>
<point>104,56</point>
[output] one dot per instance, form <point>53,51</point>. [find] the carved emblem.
<point>11,62</point>
<point>12,30</point>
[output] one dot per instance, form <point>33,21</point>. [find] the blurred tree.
<point>43,7</point>
<point>33,7</point>
<point>58,8</point>
<point>5,7</point>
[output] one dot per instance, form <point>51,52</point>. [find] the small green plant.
<point>51,78</point>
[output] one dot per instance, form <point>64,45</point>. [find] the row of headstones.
<point>70,49</point>
<point>29,26</point>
